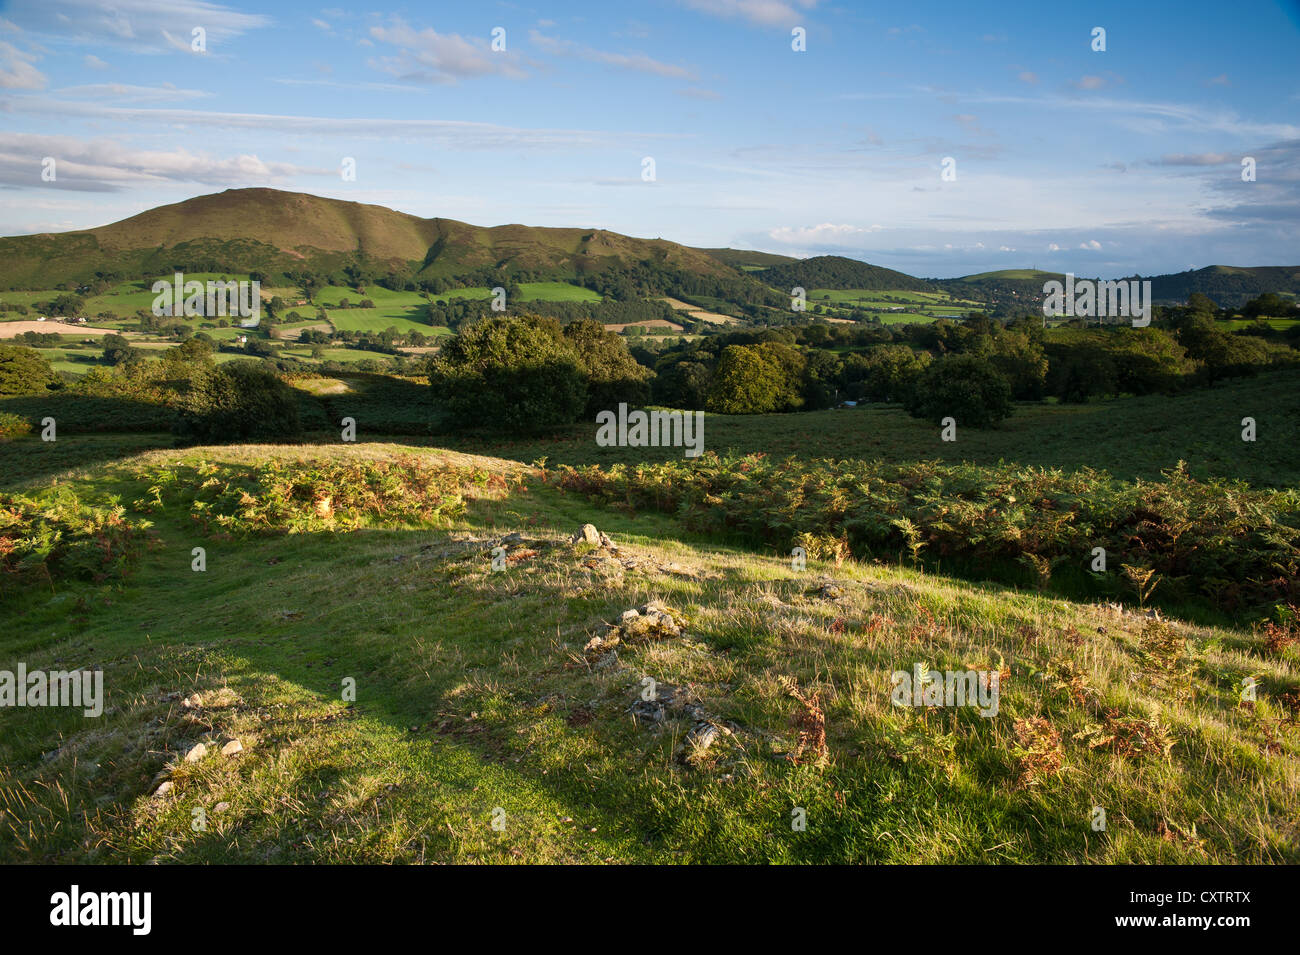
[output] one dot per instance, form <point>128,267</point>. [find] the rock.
<point>196,754</point>
<point>191,702</point>
<point>702,736</point>
<point>221,807</point>
<point>589,535</point>
<point>232,748</point>
<point>648,711</point>
<point>629,614</point>
<point>163,789</point>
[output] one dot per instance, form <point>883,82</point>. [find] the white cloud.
<point>144,25</point>
<point>762,12</point>
<point>431,57</point>
<point>106,165</point>
<point>450,134</point>
<point>124,93</point>
<point>17,71</point>
<point>827,232</point>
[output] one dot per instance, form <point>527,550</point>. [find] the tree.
<point>510,374</point>
<point>1021,360</point>
<point>745,382</point>
<point>1081,373</point>
<point>118,351</point>
<point>964,387</point>
<point>67,304</point>
<point>683,384</point>
<point>193,350</point>
<point>612,374</point>
<point>887,372</point>
<point>24,372</point>
<point>237,401</point>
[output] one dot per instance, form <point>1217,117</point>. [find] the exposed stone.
<point>221,807</point>
<point>196,753</point>
<point>232,748</point>
<point>590,535</point>
<point>163,789</point>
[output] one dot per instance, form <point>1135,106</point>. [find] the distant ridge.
<point>274,231</point>
<point>838,272</point>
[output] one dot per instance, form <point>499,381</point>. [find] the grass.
<point>476,701</point>
<point>557,292</point>
<point>379,319</point>
<point>1128,437</point>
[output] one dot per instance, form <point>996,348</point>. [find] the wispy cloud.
<point>760,12</point>
<point>427,56</point>
<point>126,93</point>
<point>103,165</point>
<point>450,134</point>
<point>146,26</point>
<point>628,61</point>
<point>17,71</point>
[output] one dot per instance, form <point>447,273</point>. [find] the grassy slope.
<point>473,693</point>
<point>1131,437</point>
<point>273,230</point>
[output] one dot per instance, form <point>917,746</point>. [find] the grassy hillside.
<point>270,230</point>
<point>1227,285</point>
<point>1031,275</point>
<point>529,697</point>
<point>838,272</point>
<point>748,259</point>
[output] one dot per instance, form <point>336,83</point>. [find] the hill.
<point>1227,285</point>
<point>838,272</point>
<point>268,230</point>
<point>657,696</point>
<point>748,259</point>
<point>1009,275</point>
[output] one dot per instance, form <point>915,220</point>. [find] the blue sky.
<point>1101,163</point>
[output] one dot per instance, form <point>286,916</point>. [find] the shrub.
<point>963,387</point>
<point>13,426</point>
<point>57,537</point>
<point>1227,544</point>
<point>23,371</point>
<point>237,401</point>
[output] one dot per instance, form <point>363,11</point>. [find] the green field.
<point>380,319</point>
<point>531,291</point>
<point>557,292</point>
